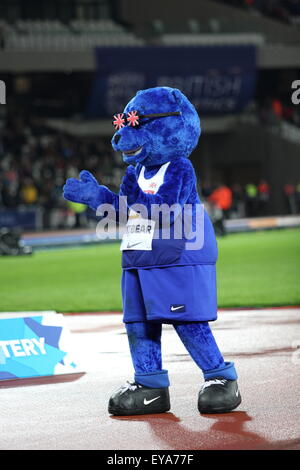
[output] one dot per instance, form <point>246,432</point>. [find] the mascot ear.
<point>177,95</point>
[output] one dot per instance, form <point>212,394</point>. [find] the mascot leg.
<point>149,393</point>
<point>219,393</point>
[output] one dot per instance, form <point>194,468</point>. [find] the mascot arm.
<point>88,191</point>
<point>177,186</point>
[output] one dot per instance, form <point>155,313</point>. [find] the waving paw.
<point>86,190</point>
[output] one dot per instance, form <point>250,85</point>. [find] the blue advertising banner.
<point>35,346</point>
<point>16,218</point>
<point>217,79</point>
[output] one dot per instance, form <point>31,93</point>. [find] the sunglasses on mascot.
<point>133,118</point>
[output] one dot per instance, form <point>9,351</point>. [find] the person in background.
<point>29,192</point>
<point>79,212</point>
<point>221,199</point>
<point>251,200</point>
<point>263,197</point>
<point>238,201</point>
<point>205,190</point>
<point>48,201</point>
<point>290,198</point>
<point>298,197</point>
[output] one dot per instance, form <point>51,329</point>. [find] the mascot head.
<point>157,125</point>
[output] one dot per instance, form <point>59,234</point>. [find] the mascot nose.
<point>117,138</point>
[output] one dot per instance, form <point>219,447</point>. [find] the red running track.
<point>71,412</point>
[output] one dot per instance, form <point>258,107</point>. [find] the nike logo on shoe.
<point>176,308</point>
<point>147,402</point>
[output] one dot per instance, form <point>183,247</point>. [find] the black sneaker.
<point>218,395</point>
<point>135,399</point>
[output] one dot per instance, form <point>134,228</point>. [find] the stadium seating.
<point>211,39</point>
<point>54,35</point>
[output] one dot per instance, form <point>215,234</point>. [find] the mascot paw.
<point>86,190</point>
<point>129,186</point>
<point>87,177</point>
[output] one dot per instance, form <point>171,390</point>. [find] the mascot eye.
<point>119,121</point>
<point>133,118</point>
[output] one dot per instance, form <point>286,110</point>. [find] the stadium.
<point>68,68</point>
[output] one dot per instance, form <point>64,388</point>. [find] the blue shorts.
<point>171,294</point>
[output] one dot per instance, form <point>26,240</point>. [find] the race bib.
<point>139,233</point>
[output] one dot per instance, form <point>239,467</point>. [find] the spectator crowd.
<point>35,163</point>
<point>249,200</point>
<point>275,110</point>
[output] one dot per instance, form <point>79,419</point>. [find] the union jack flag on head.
<point>119,121</point>
<point>133,118</point>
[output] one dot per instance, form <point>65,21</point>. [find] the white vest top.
<point>152,185</point>
<point>139,232</point>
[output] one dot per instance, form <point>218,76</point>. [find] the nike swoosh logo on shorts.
<point>147,402</point>
<point>176,308</point>
<point>134,244</point>
<point>237,392</point>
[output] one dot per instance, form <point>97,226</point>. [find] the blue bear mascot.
<point>169,275</point>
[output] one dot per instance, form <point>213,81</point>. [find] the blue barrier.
<point>25,219</point>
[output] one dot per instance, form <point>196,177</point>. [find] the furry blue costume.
<point>164,281</point>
